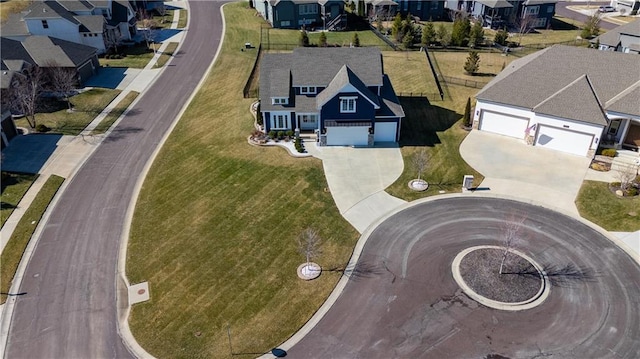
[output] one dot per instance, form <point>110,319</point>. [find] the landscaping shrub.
<point>501,37</point>
<point>42,128</point>
<point>632,192</point>
<point>272,134</point>
<point>609,152</point>
<point>299,145</point>
<point>615,184</point>
<point>280,135</point>
<point>289,133</point>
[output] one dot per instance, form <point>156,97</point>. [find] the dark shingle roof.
<point>496,4</point>
<point>531,80</point>
<point>270,85</point>
<point>91,23</point>
<point>44,51</point>
<point>76,5</point>
<point>612,37</point>
<point>390,105</point>
<point>343,78</point>
<point>318,66</point>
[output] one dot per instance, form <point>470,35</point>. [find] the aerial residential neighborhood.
<point>320,178</point>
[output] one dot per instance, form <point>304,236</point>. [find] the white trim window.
<point>532,10</point>
<point>348,104</point>
<point>540,22</point>
<point>419,5</point>
<point>307,118</point>
<point>279,101</point>
<point>307,90</point>
<point>285,23</point>
<point>280,121</point>
<point>308,9</point>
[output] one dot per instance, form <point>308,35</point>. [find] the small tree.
<point>309,244</point>
<point>355,40</point>
<point>379,24</point>
<point>407,41</point>
<point>303,40</point>
<point>25,96</point>
<point>625,175</point>
<point>420,161</point>
<point>323,40</point>
<point>444,37</point>
<point>396,28</point>
<point>472,64</point>
<point>460,32</point>
<point>501,37</point>
<point>467,113</point>
<point>511,235</point>
<point>428,34</point>
<point>476,35</point>
<point>524,25</point>
<point>591,26</point>
<point>63,80</point>
<point>162,11</point>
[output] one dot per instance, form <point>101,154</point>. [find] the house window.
<point>279,101</point>
<point>406,5</point>
<point>540,22</point>
<point>306,90</point>
<point>308,9</point>
<point>613,128</point>
<point>348,104</point>
<point>45,25</point>
<point>280,122</point>
<point>308,118</point>
<point>285,23</point>
<point>419,5</point>
<point>532,10</point>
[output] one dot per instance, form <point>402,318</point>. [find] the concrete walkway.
<point>357,178</point>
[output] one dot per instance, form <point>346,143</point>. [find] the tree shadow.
<point>361,270</point>
<point>558,24</point>
<point>564,276</point>
<point>5,205</point>
<point>120,133</point>
<point>423,121</point>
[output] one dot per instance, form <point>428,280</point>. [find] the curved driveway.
<point>69,309</point>
<point>402,302</point>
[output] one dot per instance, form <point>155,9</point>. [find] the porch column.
<point>625,131</point>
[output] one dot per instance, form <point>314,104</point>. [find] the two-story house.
<point>294,14</point>
<point>507,13</point>
<point>341,94</point>
<point>97,23</point>
<point>425,10</point>
<point>624,38</point>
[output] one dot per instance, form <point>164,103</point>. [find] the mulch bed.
<point>519,282</point>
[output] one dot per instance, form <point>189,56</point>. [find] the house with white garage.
<point>565,98</point>
<point>624,38</point>
<point>340,94</point>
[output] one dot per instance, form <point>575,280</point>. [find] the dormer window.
<point>279,101</point>
<point>308,90</point>
<point>348,104</point>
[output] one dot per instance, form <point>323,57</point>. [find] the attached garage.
<point>503,124</point>
<point>560,139</point>
<point>347,133</point>
<point>385,132</point>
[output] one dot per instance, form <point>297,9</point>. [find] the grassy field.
<point>183,16</point>
<point>106,123</point>
<point>435,128</point>
<point>409,72</point>
<point>597,204</point>
<point>220,248</point>
<point>138,57</point>
<point>12,253</point>
<point>451,63</point>
<point>87,106</point>
<point>14,186</point>
<point>342,38</point>
<point>12,7</point>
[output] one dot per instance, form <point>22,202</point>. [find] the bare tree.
<point>420,161</point>
<point>162,11</point>
<point>25,96</point>
<point>625,175</point>
<point>511,235</point>
<point>524,25</point>
<point>309,244</point>
<point>63,80</point>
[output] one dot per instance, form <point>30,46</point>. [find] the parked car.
<point>606,9</point>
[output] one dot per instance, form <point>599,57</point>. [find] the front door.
<point>633,136</point>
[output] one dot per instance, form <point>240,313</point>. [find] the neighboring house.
<point>624,38</point>
<point>565,98</point>
<point>294,14</point>
<point>501,13</point>
<point>342,94</point>
<point>147,5</point>
<point>46,52</point>
<point>9,130</point>
<point>97,23</point>
<point>630,7</point>
<point>425,10</point>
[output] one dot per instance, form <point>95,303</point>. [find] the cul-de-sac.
<point>320,179</point>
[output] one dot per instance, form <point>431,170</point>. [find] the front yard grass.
<point>14,186</point>
<point>599,205</point>
<point>183,16</point>
<point>138,56</point>
<point>166,54</point>
<point>87,105</point>
<point>13,251</point>
<point>216,223</point>
<point>106,123</point>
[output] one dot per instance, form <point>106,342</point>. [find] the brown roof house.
<point>565,98</point>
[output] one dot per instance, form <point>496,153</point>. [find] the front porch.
<point>622,134</point>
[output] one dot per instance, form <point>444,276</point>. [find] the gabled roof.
<point>389,104</point>
<point>14,26</point>
<point>627,102</point>
<point>612,37</point>
<point>539,2</point>
<point>44,51</point>
<point>91,23</point>
<point>341,80</point>
<point>318,66</point>
<point>528,82</point>
<point>119,12</point>
<point>496,4</point>
<point>274,79</point>
<point>576,101</point>
<point>77,5</point>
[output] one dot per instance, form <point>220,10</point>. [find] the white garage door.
<point>348,136</point>
<point>385,132</point>
<point>503,124</point>
<point>559,139</point>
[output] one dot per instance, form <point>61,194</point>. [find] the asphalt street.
<point>69,309</point>
<point>402,301</point>
<point>561,10</point>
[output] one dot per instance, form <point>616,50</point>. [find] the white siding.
<point>59,28</point>
<point>563,140</point>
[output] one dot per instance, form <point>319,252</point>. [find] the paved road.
<point>69,310</point>
<point>402,301</point>
<point>561,9</point>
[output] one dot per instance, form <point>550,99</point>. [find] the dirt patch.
<point>519,282</point>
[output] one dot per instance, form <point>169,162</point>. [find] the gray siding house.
<point>341,94</point>
<point>294,14</point>
<point>624,38</point>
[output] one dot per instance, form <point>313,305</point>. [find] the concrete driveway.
<point>535,174</point>
<point>357,178</point>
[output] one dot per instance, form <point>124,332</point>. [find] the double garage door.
<point>559,139</point>
<point>359,135</point>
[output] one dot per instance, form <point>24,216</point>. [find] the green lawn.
<point>158,20</point>
<point>435,128</point>
<point>182,18</point>
<point>409,72</point>
<point>451,63</point>
<point>106,123</point>
<point>12,253</point>
<point>166,54</point>
<point>87,106</point>
<point>290,38</point>
<point>597,204</point>
<point>14,186</point>
<point>138,56</point>
<point>220,248</point>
